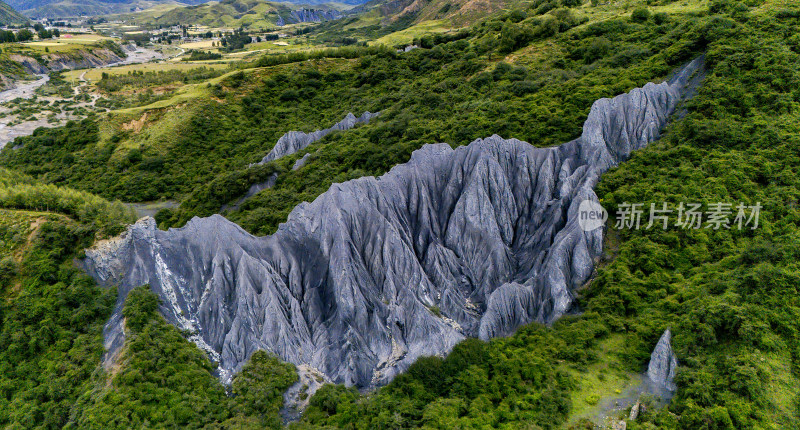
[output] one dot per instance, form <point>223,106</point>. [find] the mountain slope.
<point>72,8</point>
<point>487,234</point>
<point>226,13</point>
<point>10,16</point>
<point>216,9</point>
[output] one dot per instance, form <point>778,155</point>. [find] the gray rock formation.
<point>309,15</point>
<point>301,162</point>
<point>297,397</point>
<point>663,361</point>
<point>253,190</point>
<point>294,141</point>
<point>488,233</point>
<point>635,409</point>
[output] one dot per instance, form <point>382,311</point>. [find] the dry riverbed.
<point>22,110</point>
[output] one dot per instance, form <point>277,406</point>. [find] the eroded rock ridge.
<point>376,272</point>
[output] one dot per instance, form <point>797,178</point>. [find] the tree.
<point>24,35</point>
<point>260,386</point>
<point>7,36</point>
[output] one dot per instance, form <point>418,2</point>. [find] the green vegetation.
<point>50,337</point>
<point>165,381</point>
<point>135,79</point>
<point>51,313</point>
<point>202,56</point>
<point>478,385</point>
<point>21,192</point>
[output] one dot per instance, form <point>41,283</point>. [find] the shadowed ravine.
<point>376,272</point>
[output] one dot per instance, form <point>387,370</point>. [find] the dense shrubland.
<point>111,83</point>
<point>448,93</point>
<point>51,317</point>
<point>165,381</point>
<point>18,191</point>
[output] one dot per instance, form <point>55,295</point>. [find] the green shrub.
<point>640,15</point>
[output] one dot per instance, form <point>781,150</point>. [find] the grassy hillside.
<point>9,16</point>
<point>254,14</point>
<point>45,52</point>
<point>729,296</point>
<point>51,313</point>
<point>74,8</point>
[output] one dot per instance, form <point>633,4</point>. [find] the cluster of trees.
<point>518,31</point>
<point>25,34</point>
<point>87,208</point>
<point>44,33</point>
<point>202,56</point>
<point>111,83</point>
<point>21,192</point>
<point>236,41</point>
<point>8,36</point>
<point>165,381</point>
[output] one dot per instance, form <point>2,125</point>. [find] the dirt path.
<point>82,78</point>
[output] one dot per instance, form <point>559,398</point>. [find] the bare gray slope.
<point>294,141</point>
<point>487,233</point>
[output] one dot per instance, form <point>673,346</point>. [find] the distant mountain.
<point>10,16</point>
<point>232,13</point>
<point>457,11</point>
<point>69,8</point>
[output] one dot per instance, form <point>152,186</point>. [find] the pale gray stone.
<point>294,141</point>
<point>663,361</point>
<point>488,233</point>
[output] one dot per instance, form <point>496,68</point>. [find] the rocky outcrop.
<point>82,60</point>
<point>309,15</point>
<point>294,141</point>
<point>253,190</point>
<point>377,272</point>
<point>663,361</point>
<point>297,397</point>
<point>301,162</point>
<point>75,60</point>
<point>30,64</point>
